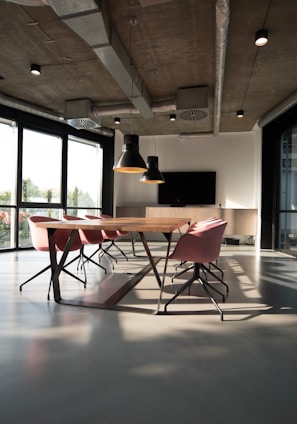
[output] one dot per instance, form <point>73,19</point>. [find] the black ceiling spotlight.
<point>261,37</point>
<point>117,121</point>
<point>172,117</point>
<point>35,69</point>
<point>240,113</point>
<point>130,160</point>
<point>152,175</point>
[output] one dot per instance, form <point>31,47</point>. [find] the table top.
<point>162,225</point>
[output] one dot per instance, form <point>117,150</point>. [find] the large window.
<point>8,184</point>
<point>48,168</point>
<point>84,178</point>
<point>41,168</point>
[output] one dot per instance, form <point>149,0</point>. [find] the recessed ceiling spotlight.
<point>117,121</point>
<point>172,117</point>
<point>261,37</point>
<point>35,69</point>
<point>240,114</point>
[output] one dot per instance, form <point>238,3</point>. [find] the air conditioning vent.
<point>79,114</point>
<point>192,114</point>
<point>82,123</point>
<point>192,103</point>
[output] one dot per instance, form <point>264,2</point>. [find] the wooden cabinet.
<point>136,211</point>
<point>241,222</point>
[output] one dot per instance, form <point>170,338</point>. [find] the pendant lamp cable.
<point>132,22</point>
<point>154,72</point>
<point>267,10</point>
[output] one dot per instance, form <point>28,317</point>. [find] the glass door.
<point>287,237</point>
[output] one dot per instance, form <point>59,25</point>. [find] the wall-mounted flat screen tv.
<point>188,188</point>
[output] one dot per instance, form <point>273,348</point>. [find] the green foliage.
<point>30,190</point>
<point>5,198</point>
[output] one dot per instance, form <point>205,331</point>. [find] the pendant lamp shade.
<point>130,160</point>
<point>152,175</point>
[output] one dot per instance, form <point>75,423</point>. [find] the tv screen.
<point>188,188</point>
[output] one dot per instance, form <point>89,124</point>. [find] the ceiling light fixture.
<point>172,117</point>
<point>130,160</point>
<point>240,113</point>
<point>35,69</point>
<point>261,37</point>
<point>152,175</point>
<point>117,121</point>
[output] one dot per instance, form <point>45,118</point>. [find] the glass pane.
<point>288,231</point>
<point>84,174</point>
<point>7,228</point>
<point>82,212</point>
<point>8,142</point>
<point>24,231</point>
<point>288,166</point>
<point>42,158</point>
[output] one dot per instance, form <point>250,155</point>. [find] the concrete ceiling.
<point>174,51</point>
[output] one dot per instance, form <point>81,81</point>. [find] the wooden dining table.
<point>166,226</point>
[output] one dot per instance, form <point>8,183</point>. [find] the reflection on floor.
<point>63,364</point>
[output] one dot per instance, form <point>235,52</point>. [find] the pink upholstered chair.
<point>88,237</point>
<point>192,228</point>
<point>39,238</point>
<point>207,268</point>
<point>110,236</point>
<point>201,245</point>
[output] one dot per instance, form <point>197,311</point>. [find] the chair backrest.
<point>208,222</point>
<point>107,234</point>
<point>39,235</point>
<point>119,233</point>
<point>92,217</point>
<point>87,236</point>
<point>201,245</point>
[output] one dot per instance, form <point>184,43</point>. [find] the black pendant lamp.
<point>130,160</point>
<point>152,175</point>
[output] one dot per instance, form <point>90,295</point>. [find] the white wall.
<point>236,158</point>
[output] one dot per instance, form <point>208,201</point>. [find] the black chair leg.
<point>179,291</point>
<point>34,276</point>
<point>215,276</point>
<point>84,282</point>
<point>113,244</point>
<point>93,262</point>
<point>101,252</point>
<point>182,272</point>
<point>204,285</point>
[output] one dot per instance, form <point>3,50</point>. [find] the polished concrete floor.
<point>62,364</point>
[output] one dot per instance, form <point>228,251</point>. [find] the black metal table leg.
<point>57,267</point>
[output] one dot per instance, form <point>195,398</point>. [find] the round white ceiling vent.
<point>192,115</point>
